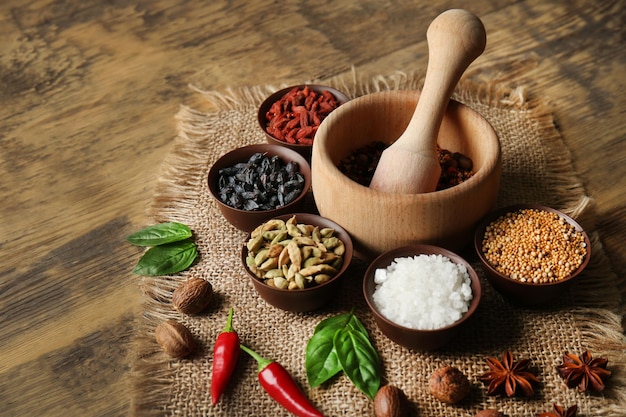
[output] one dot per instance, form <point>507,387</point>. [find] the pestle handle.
<point>455,39</point>
<point>411,164</point>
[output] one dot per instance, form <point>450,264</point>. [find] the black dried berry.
<point>262,183</point>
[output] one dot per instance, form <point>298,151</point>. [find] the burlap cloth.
<point>537,169</point>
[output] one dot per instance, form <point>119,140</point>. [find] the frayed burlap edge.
<point>599,319</point>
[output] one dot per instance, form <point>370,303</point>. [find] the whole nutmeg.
<point>449,385</point>
<point>489,413</point>
<point>175,339</point>
<point>192,296</point>
<point>390,401</point>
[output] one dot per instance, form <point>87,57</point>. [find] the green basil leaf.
<point>335,322</point>
<point>160,234</point>
<point>342,343</point>
<point>341,321</point>
<point>359,360</point>
<point>167,259</point>
<point>321,361</point>
<point>355,324</point>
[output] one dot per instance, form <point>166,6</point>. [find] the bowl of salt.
<point>421,296</point>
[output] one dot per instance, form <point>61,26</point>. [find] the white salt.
<point>424,292</point>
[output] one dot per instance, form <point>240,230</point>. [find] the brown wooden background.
<point>88,94</point>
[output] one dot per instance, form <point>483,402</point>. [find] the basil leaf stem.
<point>160,234</point>
<point>167,259</point>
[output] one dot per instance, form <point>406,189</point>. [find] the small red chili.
<point>277,382</point>
<point>225,355</point>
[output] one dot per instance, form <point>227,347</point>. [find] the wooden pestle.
<point>411,164</point>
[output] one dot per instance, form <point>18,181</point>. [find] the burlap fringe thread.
<point>598,317</point>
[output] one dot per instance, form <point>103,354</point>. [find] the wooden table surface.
<point>89,91</point>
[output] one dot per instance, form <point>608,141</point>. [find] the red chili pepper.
<point>225,355</point>
<point>277,382</point>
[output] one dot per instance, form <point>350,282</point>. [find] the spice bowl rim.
<point>256,217</point>
<point>430,339</point>
<point>291,295</point>
<point>491,272</point>
<point>267,103</point>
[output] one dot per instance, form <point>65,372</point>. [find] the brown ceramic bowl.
<point>247,220</point>
<point>409,337</point>
<point>310,298</point>
<point>380,221</point>
<point>304,150</point>
<point>516,291</point>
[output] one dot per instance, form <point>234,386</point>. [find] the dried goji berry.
<point>300,111</point>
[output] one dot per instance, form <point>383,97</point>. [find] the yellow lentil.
<point>534,246</point>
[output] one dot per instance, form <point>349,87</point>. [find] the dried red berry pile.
<point>297,115</point>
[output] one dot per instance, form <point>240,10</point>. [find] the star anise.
<point>584,371</point>
<point>508,376</point>
<point>558,411</point>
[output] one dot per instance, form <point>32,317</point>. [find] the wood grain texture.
<point>88,94</point>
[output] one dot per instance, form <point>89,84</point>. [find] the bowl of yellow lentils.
<point>530,253</point>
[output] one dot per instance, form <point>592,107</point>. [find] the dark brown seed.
<point>463,161</point>
<point>449,385</point>
<point>175,339</point>
<point>390,401</point>
<point>192,296</point>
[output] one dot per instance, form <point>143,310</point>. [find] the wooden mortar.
<point>380,221</point>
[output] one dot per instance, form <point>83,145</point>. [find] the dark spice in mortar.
<point>360,165</point>
<point>262,183</point>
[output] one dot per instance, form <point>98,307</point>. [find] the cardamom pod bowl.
<point>266,105</point>
<point>311,297</point>
<point>247,220</point>
<point>380,221</point>
<point>416,339</point>
<point>529,293</point>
